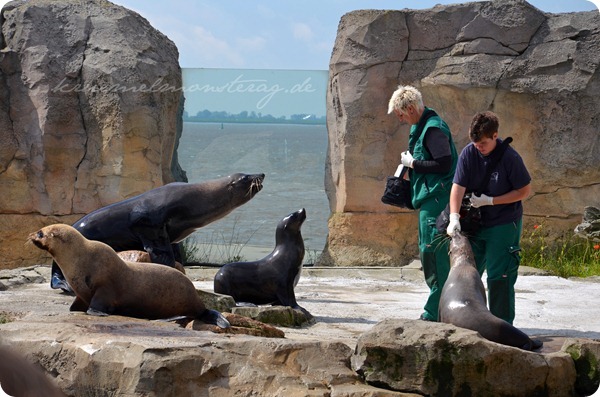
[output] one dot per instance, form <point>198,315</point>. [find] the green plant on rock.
<point>5,318</point>
<point>218,247</point>
<point>565,256</point>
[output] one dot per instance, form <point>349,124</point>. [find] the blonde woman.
<point>432,158</point>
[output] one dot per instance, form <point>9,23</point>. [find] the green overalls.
<point>431,194</point>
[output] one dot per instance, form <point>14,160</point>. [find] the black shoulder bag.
<point>397,190</point>
<point>470,217</point>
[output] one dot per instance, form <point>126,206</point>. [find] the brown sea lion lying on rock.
<point>105,284</point>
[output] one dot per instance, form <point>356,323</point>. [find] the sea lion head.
<point>48,237</point>
<point>289,227</point>
<point>461,252</point>
<point>245,185</point>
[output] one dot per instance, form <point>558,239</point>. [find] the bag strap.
<point>427,114</point>
<point>400,171</point>
<point>494,160</point>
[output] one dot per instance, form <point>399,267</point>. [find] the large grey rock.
<point>121,356</point>
<point>89,112</point>
<point>539,72</point>
<point>437,359</point>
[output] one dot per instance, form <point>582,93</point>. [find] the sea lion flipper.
<point>98,305</point>
<point>245,304</point>
<point>536,344</point>
<point>214,317</point>
<point>159,247</point>
<point>94,312</point>
<point>57,280</point>
<point>78,305</point>
<point>303,310</point>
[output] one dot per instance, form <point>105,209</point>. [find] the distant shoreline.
<point>255,121</point>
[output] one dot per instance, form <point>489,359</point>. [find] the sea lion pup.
<point>270,280</point>
<point>19,377</point>
<point>463,302</point>
<point>158,219</point>
<point>105,284</point>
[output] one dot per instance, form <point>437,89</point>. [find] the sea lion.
<point>463,302</point>
<point>105,284</point>
<point>19,377</point>
<point>270,280</point>
<point>155,220</point>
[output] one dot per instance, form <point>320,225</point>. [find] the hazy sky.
<point>272,34</point>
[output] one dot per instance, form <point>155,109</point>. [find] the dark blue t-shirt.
<point>510,174</point>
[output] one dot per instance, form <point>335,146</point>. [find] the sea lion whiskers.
<point>439,241</point>
<point>257,183</point>
<point>254,185</point>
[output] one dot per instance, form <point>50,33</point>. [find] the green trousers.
<point>433,250</point>
<point>496,250</point>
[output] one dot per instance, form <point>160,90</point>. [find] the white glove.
<point>480,201</point>
<point>454,225</point>
<point>407,159</point>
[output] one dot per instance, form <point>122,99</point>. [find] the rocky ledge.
<point>120,356</point>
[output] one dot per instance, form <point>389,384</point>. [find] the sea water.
<point>292,157</point>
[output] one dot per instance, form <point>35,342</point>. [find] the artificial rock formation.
<point>120,356</point>
<point>437,359</point>
<point>539,72</point>
<point>90,106</point>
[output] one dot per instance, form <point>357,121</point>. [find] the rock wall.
<point>89,113</point>
<point>539,72</point>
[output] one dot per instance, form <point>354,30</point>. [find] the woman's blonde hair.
<point>404,96</point>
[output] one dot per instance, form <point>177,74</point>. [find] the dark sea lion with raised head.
<point>156,220</point>
<point>270,280</point>
<point>463,302</point>
<point>105,284</point>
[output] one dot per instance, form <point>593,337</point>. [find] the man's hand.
<point>480,201</point>
<point>407,159</point>
<point>454,225</point>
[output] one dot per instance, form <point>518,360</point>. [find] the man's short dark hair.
<point>484,125</point>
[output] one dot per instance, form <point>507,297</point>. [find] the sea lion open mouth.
<point>257,184</point>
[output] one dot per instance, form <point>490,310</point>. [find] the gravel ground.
<point>347,302</point>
